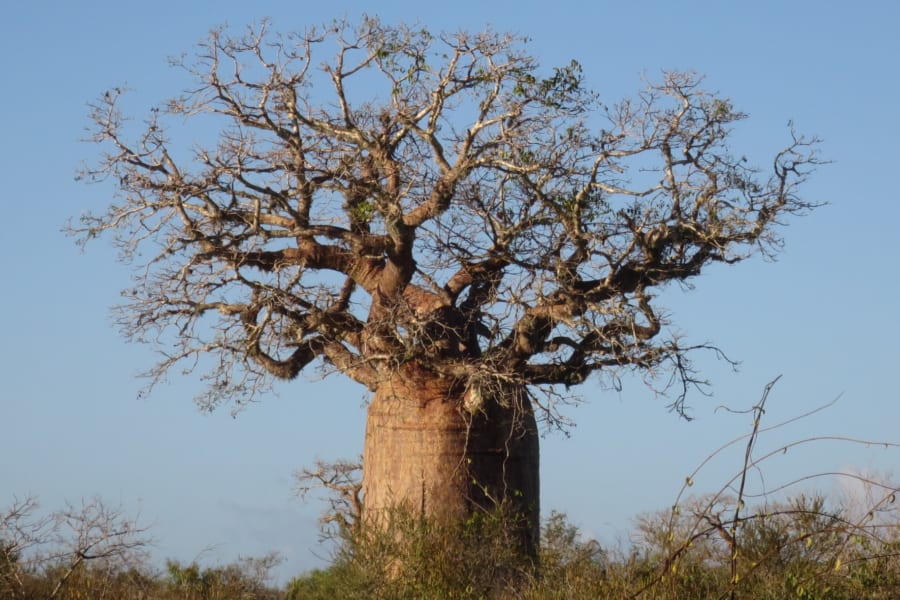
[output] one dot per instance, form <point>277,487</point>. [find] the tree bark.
<point>446,451</point>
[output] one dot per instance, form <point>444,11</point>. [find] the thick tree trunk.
<point>445,452</point>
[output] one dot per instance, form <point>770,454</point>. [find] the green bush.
<point>411,557</point>
<point>798,549</point>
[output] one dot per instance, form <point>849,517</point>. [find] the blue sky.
<point>824,315</point>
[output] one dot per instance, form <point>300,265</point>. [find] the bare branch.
<point>377,194</point>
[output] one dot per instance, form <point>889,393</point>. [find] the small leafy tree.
<point>437,217</point>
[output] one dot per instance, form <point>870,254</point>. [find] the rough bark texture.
<point>426,451</point>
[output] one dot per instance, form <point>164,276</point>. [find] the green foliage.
<point>9,565</point>
<point>412,557</point>
<point>28,579</point>
<point>321,584</point>
<point>799,549</point>
<point>563,87</point>
<point>245,578</point>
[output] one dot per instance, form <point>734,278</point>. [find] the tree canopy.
<point>375,194</point>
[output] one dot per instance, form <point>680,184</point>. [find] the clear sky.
<point>824,315</point>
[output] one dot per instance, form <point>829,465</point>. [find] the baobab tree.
<point>437,217</point>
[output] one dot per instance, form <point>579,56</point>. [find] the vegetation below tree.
<point>742,541</point>
<point>717,545</point>
<point>801,548</point>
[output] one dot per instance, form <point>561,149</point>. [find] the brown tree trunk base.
<point>446,452</point>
